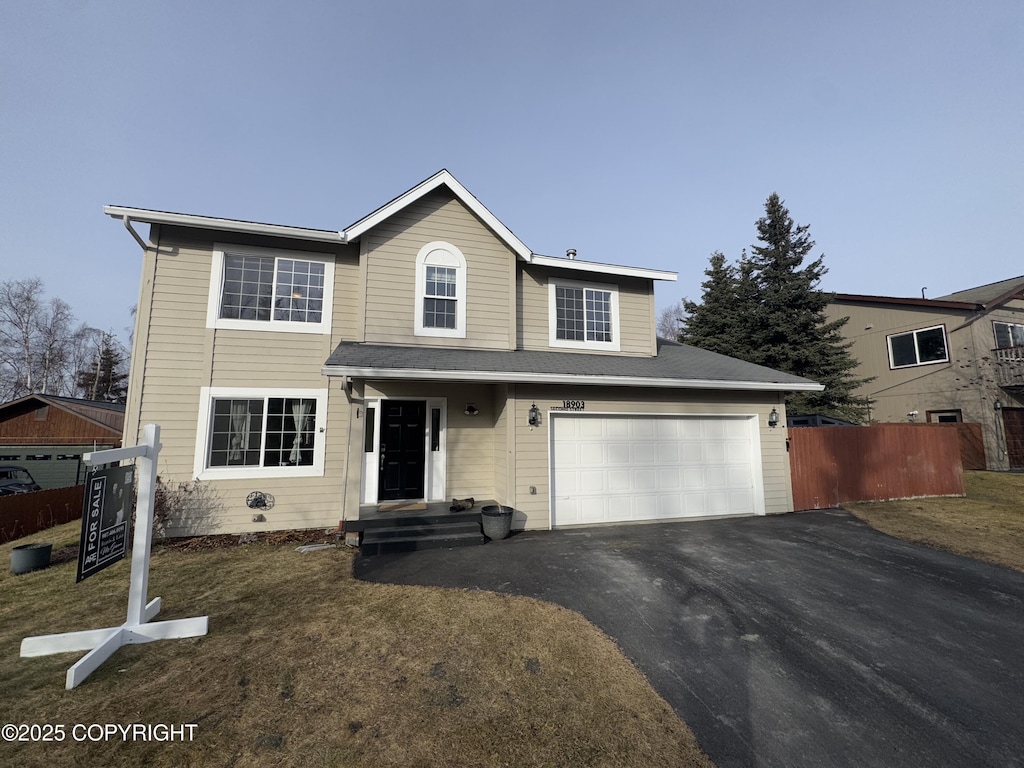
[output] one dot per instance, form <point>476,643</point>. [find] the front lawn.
<point>305,666</point>
<point>987,525</point>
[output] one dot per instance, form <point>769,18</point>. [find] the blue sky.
<point>647,133</point>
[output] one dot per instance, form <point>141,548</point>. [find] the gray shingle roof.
<point>983,294</point>
<point>676,365</point>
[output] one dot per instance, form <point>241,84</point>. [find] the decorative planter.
<point>497,521</point>
<point>30,557</point>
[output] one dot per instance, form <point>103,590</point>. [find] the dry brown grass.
<point>304,666</point>
<point>987,525</point>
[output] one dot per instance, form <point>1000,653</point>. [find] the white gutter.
<point>563,378</point>
<point>604,269</point>
<point>226,225</point>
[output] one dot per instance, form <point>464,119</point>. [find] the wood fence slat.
<point>832,465</point>
<point>26,513</point>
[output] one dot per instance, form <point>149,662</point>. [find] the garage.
<point>621,468</point>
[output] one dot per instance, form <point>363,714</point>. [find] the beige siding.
<point>182,355</point>
<point>635,310</point>
<point>391,250</point>
<point>532,444</point>
<point>500,435</point>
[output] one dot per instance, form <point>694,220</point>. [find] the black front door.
<point>402,454</point>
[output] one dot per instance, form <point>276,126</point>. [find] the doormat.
<point>409,507</point>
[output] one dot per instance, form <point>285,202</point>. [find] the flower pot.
<point>30,557</point>
<point>497,521</point>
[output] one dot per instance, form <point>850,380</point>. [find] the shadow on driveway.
<point>800,640</point>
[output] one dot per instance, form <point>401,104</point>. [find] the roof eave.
<point>520,377</point>
<point>605,269</point>
<point>224,225</point>
<point>855,298</point>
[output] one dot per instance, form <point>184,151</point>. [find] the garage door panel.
<point>612,469</point>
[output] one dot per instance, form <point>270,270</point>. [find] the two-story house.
<point>953,358</point>
<point>425,353</point>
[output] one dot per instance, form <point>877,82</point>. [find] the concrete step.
<point>409,539</point>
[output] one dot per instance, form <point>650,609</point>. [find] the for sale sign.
<point>106,518</point>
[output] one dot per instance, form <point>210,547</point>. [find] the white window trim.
<point>204,428</point>
<point>461,278</point>
<point>606,346</point>
<point>1009,330</point>
<point>917,350</point>
<point>213,318</point>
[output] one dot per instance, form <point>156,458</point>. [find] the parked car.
<point>16,480</point>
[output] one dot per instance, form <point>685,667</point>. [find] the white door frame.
<point>435,462</point>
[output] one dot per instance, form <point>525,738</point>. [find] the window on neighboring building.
<point>252,432</point>
<point>1008,335</point>
<point>268,290</point>
<point>440,291</point>
<point>952,416</point>
<point>922,347</point>
<point>583,316</point>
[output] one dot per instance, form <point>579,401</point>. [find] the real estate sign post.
<point>101,643</point>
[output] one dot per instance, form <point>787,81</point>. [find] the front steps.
<point>411,532</point>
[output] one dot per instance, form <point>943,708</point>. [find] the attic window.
<point>440,291</point>
<point>42,413</point>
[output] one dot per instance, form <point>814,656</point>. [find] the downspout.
<point>128,225</point>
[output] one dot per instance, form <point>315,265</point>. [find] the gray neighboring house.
<point>424,353</point>
<point>958,357</point>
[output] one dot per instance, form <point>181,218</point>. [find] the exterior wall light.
<point>471,410</point>
<point>534,416</point>
<point>773,419</point>
<point>997,406</point>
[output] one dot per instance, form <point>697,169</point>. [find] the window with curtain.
<point>262,432</point>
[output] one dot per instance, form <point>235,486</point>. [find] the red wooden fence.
<point>832,465</point>
<point>26,513</point>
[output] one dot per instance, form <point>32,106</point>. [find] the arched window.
<point>440,291</point>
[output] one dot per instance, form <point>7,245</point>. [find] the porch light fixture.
<point>471,410</point>
<point>773,419</point>
<point>534,416</point>
<point>997,406</point>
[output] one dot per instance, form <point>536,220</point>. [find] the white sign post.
<point>101,643</point>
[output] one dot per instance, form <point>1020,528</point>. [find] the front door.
<point>1013,429</point>
<point>402,449</point>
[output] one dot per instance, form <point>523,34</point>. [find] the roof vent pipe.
<point>571,253</point>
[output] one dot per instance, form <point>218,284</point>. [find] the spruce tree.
<point>775,316</point>
<point>105,377</point>
<point>716,322</point>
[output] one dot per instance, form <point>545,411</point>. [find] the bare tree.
<point>668,321</point>
<point>19,311</point>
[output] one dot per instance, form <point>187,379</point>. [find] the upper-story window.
<point>440,291</point>
<point>1008,335</point>
<point>583,315</point>
<point>261,289</point>
<point>922,347</point>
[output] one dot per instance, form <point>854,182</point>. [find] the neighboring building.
<point>426,353</point>
<point>47,435</point>
<point>953,358</point>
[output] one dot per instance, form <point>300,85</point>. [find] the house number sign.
<point>572,405</point>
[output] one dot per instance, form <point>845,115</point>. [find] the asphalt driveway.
<point>800,640</point>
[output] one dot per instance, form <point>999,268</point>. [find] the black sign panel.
<point>106,518</point>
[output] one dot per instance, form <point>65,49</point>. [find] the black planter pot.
<point>497,521</point>
<point>30,557</point>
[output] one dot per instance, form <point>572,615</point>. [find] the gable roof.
<point>353,232</point>
<point>109,416</point>
<point>992,294</point>
<point>676,365</point>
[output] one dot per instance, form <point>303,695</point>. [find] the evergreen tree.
<point>769,310</point>
<point>716,322</point>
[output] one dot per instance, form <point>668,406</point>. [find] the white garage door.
<point>609,469</point>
